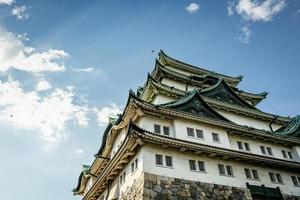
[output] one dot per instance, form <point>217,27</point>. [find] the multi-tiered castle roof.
<point>177,90</point>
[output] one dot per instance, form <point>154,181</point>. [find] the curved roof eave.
<point>195,69</point>
<point>290,129</point>
<point>221,83</point>
<point>187,98</point>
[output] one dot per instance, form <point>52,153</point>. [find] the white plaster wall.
<point>182,170</point>
<point>178,129</point>
<point>248,121</point>
<point>178,70</point>
<point>130,178</point>
<point>296,151</point>
<point>147,122</point>
<point>255,146</point>
<point>161,99</point>
<point>89,184</point>
<point>103,195</point>
<point>175,84</point>
<point>118,141</point>
<point>181,133</point>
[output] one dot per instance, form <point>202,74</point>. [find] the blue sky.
<point>65,66</point>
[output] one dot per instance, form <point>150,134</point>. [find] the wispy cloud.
<point>192,8</point>
<point>23,37</point>
<point>105,113</point>
<point>297,12</point>
<point>88,69</point>
<point>230,8</point>
<point>252,10</point>
<point>79,151</point>
<point>43,85</point>
<point>7,2</point>
<point>46,115</point>
<point>20,12</point>
<point>15,54</point>
<point>246,35</point>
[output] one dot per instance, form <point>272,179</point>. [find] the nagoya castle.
<point>190,133</point>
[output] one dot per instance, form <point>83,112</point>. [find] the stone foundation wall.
<point>165,188</point>
<point>289,197</point>
<point>154,187</point>
<point>135,191</point>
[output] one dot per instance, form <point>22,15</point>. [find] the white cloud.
<point>192,8</point>
<point>230,8</point>
<point>43,85</point>
<point>20,12</point>
<point>111,111</point>
<point>246,35</point>
<point>7,2</point>
<point>15,54</point>
<point>253,10</point>
<point>79,151</point>
<point>47,115</point>
<point>88,69</point>
<point>23,37</point>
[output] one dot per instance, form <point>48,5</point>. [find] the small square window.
<point>279,179</point>
<point>269,150</point>
<point>190,132</point>
<point>132,167</point>
<point>263,149</point>
<point>169,161</point>
<point>290,155</point>
<point>192,164</point>
<point>136,163</point>
<point>121,179</point>
<point>215,137</point>
<point>295,181</point>
<point>157,128</point>
<point>255,174</point>
<point>272,177</point>
<point>229,170</point>
<point>221,169</point>
<point>240,145</point>
<point>248,173</point>
<point>284,153</point>
<point>166,130</point>
<point>247,146</point>
<point>201,166</point>
<point>199,133</point>
<point>158,159</point>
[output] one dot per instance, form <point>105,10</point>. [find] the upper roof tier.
<point>200,80</point>
<point>290,129</point>
<point>167,60</point>
<point>193,103</point>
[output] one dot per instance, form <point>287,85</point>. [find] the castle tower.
<point>191,133</point>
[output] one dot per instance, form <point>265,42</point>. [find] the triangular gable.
<point>193,103</point>
<point>222,92</point>
<point>291,129</point>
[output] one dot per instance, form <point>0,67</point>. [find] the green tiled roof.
<point>291,129</point>
<point>193,103</point>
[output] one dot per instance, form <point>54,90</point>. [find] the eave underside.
<point>138,137</point>
<point>153,88</point>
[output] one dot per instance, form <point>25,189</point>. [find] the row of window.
<point>224,170</point>
<point>264,150</point>
<point>134,167</point>
<point>197,133</point>
<point>191,132</point>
